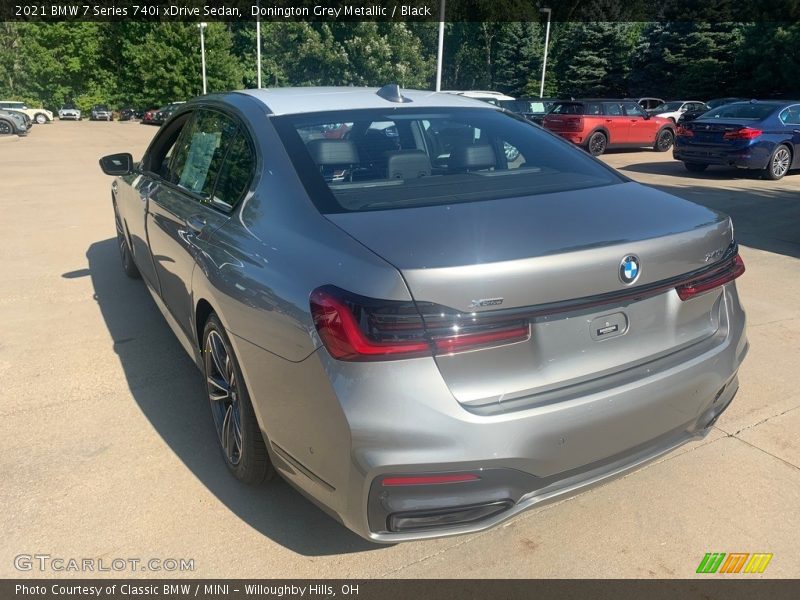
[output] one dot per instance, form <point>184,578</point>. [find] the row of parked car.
<point>17,118</point>
<point>761,135</point>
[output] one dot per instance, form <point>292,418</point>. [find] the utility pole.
<point>440,53</point>
<point>546,42</point>
<point>202,26</point>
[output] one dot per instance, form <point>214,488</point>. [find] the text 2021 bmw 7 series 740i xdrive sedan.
<point>421,333</point>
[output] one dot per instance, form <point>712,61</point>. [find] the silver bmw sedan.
<point>425,312</point>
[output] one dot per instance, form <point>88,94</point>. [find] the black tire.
<point>695,167</point>
<point>664,140</point>
<point>232,414</point>
<point>40,118</point>
<point>597,143</point>
<point>6,127</point>
<point>128,266</point>
<point>779,163</point>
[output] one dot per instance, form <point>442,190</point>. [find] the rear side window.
<point>375,159</point>
<point>753,111</point>
<point>236,174</point>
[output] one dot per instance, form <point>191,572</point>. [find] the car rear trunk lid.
<point>550,258</point>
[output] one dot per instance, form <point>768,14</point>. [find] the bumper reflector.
<point>428,480</point>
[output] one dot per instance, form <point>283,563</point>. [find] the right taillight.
<point>745,133</point>
<point>357,328</point>
<point>727,272</point>
<point>684,132</point>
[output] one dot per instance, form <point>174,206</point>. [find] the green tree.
<point>518,61</point>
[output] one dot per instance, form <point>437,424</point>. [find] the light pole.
<point>258,47</point>
<point>440,53</point>
<point>546,42</point>
<point>258,52</point>
<point>202,26</point>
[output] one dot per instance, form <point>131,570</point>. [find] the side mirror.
<point>646,116</point>
<point>117,164</point>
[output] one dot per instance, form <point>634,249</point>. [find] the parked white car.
<point>486,96</point>
<point>69,112</point>
<point>38,115</point>
<point>674,110</point>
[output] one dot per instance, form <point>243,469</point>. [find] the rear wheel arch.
<point>202,311</point>
<point>602,129</point>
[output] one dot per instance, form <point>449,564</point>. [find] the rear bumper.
<point>750,157</point>
<point>343,427</point>
<point>575,138</point>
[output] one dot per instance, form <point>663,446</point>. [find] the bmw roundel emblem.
<point>629,269</point>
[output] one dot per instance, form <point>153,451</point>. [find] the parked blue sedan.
<point>761,135</point>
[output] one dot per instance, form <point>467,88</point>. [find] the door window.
<point>613,109</point>
<point>200,151</point>
<point>632,109</point>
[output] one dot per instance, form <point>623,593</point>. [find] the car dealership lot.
<point>108,454</point>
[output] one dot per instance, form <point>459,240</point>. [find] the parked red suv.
<point>599,124</point>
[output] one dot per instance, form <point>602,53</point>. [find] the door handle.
<point>608,120</point>
<point>196,223</point>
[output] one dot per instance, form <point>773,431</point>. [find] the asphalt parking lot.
<point>108,450</point>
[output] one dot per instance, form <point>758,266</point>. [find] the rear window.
<point>351,161</point>
<point>742,110</point>
<point>567,108</point>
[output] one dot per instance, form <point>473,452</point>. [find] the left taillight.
<point>357,328</point>
<point>727,272</point>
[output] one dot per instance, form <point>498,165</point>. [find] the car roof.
<point>298,100</point>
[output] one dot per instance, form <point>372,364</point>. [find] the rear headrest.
<point>333,152</point>
<point>473,157</point>
<point>407,164</point>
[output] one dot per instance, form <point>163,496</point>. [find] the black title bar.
<point>401,10</point>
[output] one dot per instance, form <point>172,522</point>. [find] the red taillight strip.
<point>730,271</point>
<point>428,480</point>
<point>460,343</point>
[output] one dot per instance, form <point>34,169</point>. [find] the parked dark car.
<point>533,109</point>
<point>101,112</point>
<point>598,124</point>
<point>127,114</point>
<point>759,135</point>
<point>13,122</point>
<point>149,116</point>
<point>165,112</point>
<point>691,115</point>
<point>422,336</point>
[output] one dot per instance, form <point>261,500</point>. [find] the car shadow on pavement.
<point>168,388</point>
<point>767,218</point>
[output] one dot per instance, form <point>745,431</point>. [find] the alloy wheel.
<point>597,144</point>
<point>780,162</point>
<point>5,128</point>
<point>41,119</point>
<point>222,387</point>
<point>664,140</point>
